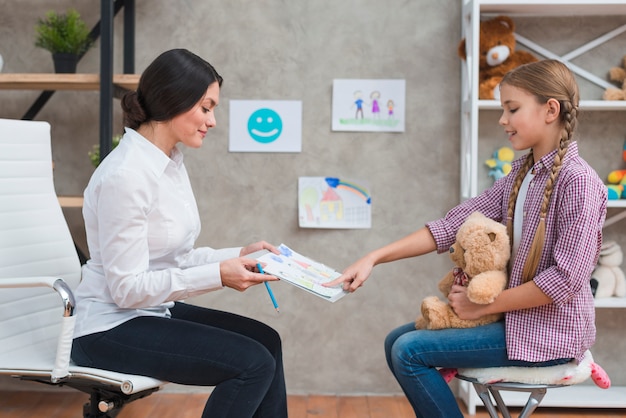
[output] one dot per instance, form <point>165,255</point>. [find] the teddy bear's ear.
<point>505,21</point>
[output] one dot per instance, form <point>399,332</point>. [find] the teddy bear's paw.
<point>420,323</point>
<point>437,316</point>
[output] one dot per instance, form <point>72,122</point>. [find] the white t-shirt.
<point>142,222</point>
<point>520,214</point>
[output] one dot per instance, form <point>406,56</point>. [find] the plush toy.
<point>481,253</point>
<point>616,181</point>
<point>608,279</point>
<point>500,163</point>
<point>497,55</point>
<point>618,75</point>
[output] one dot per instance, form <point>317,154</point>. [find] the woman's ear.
<point>553,110</point>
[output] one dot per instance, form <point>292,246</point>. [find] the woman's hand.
<point>354,276</point>
<point>462,306</point>
<point>241,273</point>
<point>258,246</point>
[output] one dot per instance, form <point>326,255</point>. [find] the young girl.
<point>142,222</point>
<point>554,206</point>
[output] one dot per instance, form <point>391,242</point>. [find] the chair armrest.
<point>66,336</point>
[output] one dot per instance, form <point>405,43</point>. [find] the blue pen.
<point>269,289</point>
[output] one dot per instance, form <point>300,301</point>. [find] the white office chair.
<point>39,267</point>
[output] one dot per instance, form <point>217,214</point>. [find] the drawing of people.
<point>358,101</point>
<point>390,105</point>
<point>375,95</point>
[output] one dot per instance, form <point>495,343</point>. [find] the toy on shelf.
<point>617,181</point>
<point>618,75</point>
<point>497,55</point>
<point>607,278</point>
<point>500,163</point>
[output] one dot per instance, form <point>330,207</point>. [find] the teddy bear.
<point>607,278</point>
<point>480,253</point>
<point>497,55</point>
<point>618,75</point>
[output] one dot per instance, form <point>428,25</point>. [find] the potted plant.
<point>66,36</point>
<point>94,154</point>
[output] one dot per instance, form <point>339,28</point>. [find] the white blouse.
<point>142,222</point>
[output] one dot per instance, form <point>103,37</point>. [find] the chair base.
<point>487,391</point>
<point>104,402</point>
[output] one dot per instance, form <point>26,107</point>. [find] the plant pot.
<point>64,62</point>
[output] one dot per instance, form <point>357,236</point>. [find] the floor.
<point>68,404</point>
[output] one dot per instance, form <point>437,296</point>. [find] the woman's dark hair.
<point>172,84</point>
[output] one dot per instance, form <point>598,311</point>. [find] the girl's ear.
<point>553,110</point>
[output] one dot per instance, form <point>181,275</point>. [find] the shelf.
<point>71,201</point>
<point>34,81</point>
<point>576,396</point>
<point>612,302</point>
<point>553,7</point>
<point>585,105</point>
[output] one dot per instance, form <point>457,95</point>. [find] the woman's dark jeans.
<point>241,357</point>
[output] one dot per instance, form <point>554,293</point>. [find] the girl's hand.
<point>354,276</point>
<point>241,273</point>
<point>462,306</point>
<point>258,246</point>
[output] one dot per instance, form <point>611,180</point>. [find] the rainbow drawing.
<point>336,183</point>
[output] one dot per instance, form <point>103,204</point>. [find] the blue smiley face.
<point>265,125</point>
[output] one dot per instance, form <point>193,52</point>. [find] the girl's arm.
<point>418,243</point>
<point>524,296</point>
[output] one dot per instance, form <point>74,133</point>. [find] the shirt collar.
<point>547,161</point>
<point>152,156</point>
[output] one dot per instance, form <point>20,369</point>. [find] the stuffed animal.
<point>497,55</point>
<point>616,180</point>
<point>608,279</point>
<point>481,253</point>
<point>618,75</point>
<point>500,162</point>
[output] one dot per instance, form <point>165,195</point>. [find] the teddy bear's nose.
<point>451,250</point>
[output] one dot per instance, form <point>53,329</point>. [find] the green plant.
<point>63,33</point>
<point>94,154</point>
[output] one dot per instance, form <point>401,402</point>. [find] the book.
<point>301,271</point>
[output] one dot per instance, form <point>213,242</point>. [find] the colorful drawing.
<point>348,94</point>
<point>331,202</point>
<point>303,272</point>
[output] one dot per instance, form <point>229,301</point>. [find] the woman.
<point>142,221</point>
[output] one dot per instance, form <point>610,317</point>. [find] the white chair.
<point>39,267</point>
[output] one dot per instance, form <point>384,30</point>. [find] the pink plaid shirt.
<point>565,328</point>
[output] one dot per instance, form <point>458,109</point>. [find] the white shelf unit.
<point>584,395</point>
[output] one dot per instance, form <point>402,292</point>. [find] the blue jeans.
<point>241,357</point>
<point>414,356</point>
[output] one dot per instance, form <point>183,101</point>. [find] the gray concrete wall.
<point>292,50</point>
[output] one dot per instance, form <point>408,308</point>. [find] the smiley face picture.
<point>265,125</point>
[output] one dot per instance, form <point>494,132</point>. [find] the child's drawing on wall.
<point>358,102</point>
<point>374,96</point>
<point>351,112</point>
